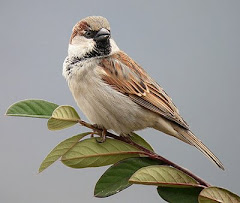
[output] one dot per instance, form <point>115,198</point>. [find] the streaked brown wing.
<point>127,77</point>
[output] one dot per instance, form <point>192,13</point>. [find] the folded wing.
<point>127,77</point>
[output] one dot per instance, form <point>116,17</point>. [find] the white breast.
<point>102,104</point>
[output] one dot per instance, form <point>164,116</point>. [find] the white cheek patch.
<point>80,46</point>
<point>114,47</point>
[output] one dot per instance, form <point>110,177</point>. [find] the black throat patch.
<point>102,48</point>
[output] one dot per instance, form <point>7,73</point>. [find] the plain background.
<point>191,48</point>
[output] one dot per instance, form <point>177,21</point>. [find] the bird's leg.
<point>94,131</point>
<point>102,135</point>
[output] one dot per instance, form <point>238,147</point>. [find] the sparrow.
<point>115,92</point>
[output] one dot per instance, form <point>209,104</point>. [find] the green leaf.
<point>63,117</point>
<point>216,194</point>
<point>115,179</point>
<point>32,108</point>
<point>180,195</point>
<point>139,140</point>
<point>60,150</point>
<point>162,176</point>
<point>90,153</point>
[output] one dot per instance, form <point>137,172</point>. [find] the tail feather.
<point>190,138</point>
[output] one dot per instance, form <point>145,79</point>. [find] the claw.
<point>103,136</point>
<point>94,132</point>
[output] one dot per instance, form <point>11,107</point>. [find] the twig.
<point>147,152</point>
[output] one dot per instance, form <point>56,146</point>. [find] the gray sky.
<point>191,48</point>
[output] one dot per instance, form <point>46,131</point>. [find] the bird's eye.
<point>89,34</point>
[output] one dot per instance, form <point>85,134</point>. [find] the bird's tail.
<point>190,138</point>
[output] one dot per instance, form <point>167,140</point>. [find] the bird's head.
<point>91,37</point>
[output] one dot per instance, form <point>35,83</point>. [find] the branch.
<point>147,152</point>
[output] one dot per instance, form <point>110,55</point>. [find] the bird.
<point>115,92</point>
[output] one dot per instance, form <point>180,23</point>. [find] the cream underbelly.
<point>108,108</point>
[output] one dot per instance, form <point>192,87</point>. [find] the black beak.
<point>102,35</point>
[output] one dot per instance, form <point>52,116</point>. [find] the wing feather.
<point>127,77</point>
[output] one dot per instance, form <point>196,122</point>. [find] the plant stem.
<point>147,152</point>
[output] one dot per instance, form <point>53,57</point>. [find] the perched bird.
<point>114,92</point>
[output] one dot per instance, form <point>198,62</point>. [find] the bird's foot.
<point>102,135</point>
<point>95,132</point>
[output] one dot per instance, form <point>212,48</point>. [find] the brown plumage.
<point>114,92</point>
<point>127,77</point>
